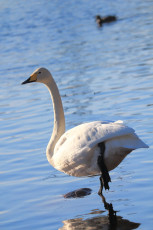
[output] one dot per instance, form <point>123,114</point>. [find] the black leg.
<point>101,186</point>
<point>104,178</point>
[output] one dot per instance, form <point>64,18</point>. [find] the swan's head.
<point>39,75</point>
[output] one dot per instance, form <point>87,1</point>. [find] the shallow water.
<point>102,74</point>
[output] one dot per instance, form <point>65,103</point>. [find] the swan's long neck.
<point>59,120</point>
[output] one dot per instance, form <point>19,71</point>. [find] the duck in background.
<point>100,20</point>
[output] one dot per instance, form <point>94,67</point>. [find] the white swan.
<point>89,149</point>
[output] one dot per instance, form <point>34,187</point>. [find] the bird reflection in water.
<point>79,193</point>
<point>98,221</point>
<point>111,212</point>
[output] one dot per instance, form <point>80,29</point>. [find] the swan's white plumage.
<point>76,151</point>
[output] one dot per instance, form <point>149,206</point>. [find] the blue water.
<point>102,74</point>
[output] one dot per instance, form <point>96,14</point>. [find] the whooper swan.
<point>88,149</point>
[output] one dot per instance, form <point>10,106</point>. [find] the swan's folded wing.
<point>76,153</point>
<point>90,134</point>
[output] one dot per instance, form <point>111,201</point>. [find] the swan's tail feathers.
<point>143,145</point>
<point>128,142</point>
<point>139,143</point>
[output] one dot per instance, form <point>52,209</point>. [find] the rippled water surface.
<point>102,74</point>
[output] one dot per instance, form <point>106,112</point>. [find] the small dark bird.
<point>100,20</point>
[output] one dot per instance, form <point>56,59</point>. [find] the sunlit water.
<point>102,74</point>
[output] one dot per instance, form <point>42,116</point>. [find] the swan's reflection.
<point>98,222</point>
<point>79,193</point>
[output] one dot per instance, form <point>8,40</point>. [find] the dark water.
<point>103,74</point>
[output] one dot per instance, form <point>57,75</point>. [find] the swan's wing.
<point>90,134</point>
<point>104,131</point>
<point>76,153</point>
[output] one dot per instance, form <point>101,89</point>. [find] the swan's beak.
<point>26,81</point>
<point>32,78</point>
